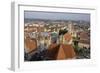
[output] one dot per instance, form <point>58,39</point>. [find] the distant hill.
<point>27,20</point>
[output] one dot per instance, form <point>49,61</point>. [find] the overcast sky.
<point>56,15</point>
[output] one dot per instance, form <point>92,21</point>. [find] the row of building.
<point>42,34</point>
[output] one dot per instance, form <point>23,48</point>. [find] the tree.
<point>62,32</point>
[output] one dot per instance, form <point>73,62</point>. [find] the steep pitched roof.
<point>84,35</point>
<point>60,52</point>
<point>65,52</point>
<point>30,44</point>
<point>68,37</point>
<point>84,38</point>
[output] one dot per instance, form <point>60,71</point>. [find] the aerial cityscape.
<point>56,36</point>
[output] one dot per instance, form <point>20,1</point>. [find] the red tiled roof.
<point>84,38</point>
<point>68,37</point>
<point>65,52</point>
<point>60,52</point>
<point>30,44</point>
<point>52,51</point>
<point>84,35</point>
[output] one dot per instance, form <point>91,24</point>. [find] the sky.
<point>56,15</point>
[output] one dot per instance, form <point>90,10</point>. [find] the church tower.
<point>70,27</point>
